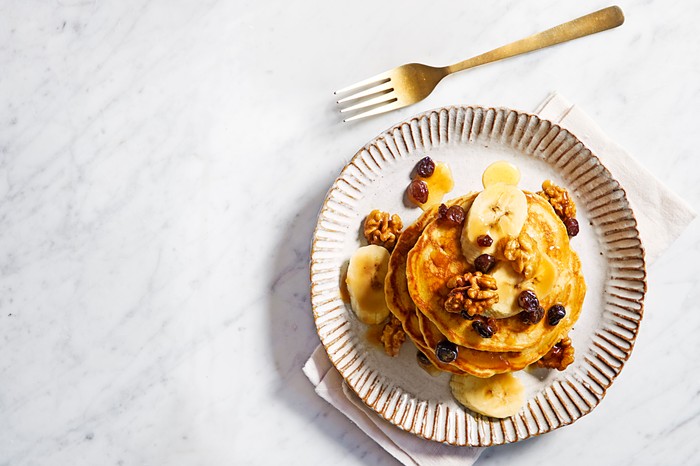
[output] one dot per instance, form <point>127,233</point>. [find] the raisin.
<point>446,351</point>
<point>466,315</point>
<point>571,225</point>
<point>426,167</point>
<point>442,211</point>
<point>422,358</point>
<point>528,300</point>
<point>555,314</point>
<point>484,263</point>
<point>483,328</point>
<point>533,316</point>
<point>455,214</point>
<point>418,191</point>
<point>484,241</point>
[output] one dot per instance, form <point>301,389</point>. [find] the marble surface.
<point>161,168</point>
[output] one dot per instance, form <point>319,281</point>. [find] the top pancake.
<point>437,256</point>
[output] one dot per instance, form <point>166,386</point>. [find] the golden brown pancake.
<point>396,288</point>
<point>437,256</point>
<point>426,335</point>
<point>488,363</point>
<point>474,362</point>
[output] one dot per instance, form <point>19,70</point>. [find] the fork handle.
<point>598,21</point>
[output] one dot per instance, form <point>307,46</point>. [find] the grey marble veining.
<point>161,168</point>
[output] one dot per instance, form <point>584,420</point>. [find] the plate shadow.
<point>292,336</point>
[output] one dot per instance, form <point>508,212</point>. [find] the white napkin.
<point>405,447</point>
<point>661,217</point>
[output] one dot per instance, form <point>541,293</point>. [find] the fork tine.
<point>376,111</point>
<point>382,99</point>
<point>381,78</point>
<point>372,90</point>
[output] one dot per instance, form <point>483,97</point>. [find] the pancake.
<point>474,362</point>
<point>412,329</point>
<point>437,256</point>
<point>426,334</point>
<point>488,363</point>
<point>396,293</point>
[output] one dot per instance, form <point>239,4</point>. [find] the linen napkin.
<point>405,447</point>
<point>661,216</point>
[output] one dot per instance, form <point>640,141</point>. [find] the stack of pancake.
<point>432,250</point>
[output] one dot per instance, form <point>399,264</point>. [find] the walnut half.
<point>393,336</point>
<point>382,229</point>
<point>522,253</point>
<point>559,357</point>
<point>559,198</point>
<point>471,292</point>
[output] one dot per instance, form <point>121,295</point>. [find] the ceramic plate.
<point>469,139</point>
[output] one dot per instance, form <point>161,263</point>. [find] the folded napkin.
<point>405,447</point>
<point>661,217</point>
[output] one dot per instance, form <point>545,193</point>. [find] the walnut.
<point>559,357</point>
<point>471,292</point>
<point>393,336</point>
<point>381,229</point>
<point>522,253</point>
<point>559,198</point>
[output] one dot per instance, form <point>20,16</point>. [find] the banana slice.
<point>500,172</point>
<point>499,396</point>
<point>543,279</point>
<point>509,288</point>
<point>365,279</point>
<point>499,210</point>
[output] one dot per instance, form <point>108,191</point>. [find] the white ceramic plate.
<point>469,139</point>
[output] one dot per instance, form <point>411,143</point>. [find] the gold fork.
<point>411,83</point>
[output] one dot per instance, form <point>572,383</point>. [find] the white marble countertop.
<point>162,165</point>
